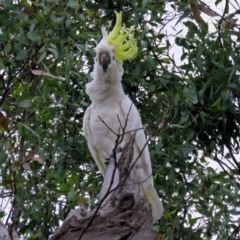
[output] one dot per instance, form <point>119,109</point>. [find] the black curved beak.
<point>104,60</point>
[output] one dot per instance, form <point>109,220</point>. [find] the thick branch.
<point>7,233</point>
<point>122,212</point>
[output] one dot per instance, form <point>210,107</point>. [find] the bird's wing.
<point>88,134</point>
<point>134,123</point>
<point>143,164</point>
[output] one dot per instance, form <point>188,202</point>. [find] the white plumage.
<point>108,103</point>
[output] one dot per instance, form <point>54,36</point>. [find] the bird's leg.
<point>118,150</point>
<point>107,160</point>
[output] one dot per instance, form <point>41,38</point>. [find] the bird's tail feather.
<point>156,204</point>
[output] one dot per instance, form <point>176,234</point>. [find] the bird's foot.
<point>107,161</point>
<point>118,150</point>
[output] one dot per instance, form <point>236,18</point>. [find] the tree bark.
<point>7,233</point>
<point>122,213</point>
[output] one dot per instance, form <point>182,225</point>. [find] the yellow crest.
<point>125,46</point>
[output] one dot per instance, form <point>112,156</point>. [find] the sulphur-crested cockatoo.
<point>110,108</point>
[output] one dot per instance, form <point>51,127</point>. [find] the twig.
<point>119,121</point>
<point>235,160</point>
<point>225,170</point>
<point>107,125</point>
<point>220,21</point>
<point>134,130</point>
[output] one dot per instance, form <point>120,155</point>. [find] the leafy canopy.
<point>190,109</point>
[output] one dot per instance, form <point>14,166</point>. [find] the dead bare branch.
<point>124,213</point>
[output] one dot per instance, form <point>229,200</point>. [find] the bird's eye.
<point>113,58</point>
<point>96,59</point>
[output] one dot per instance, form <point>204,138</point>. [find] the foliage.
<point>190,110</point>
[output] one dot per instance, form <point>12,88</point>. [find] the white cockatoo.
<point>111,108</point>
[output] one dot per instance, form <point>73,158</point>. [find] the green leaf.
<point>2,213</point>
<point>1,65</point>
<point>54,51</point>
<point>83,103</point>
<point>186,150</point>
<point>68,23</point>
<point>149,63</point>
<point>213,145</point>
<point>72,194</point>
<point>228,192</point>
<point>216,102</point>
<point>181,42</point>
<point>25,104</point>
<point>177,125</point>
<point>8,48</point>
<point>200,50</point>
<point>48,31</point>
<point>87,35</point>
<point>37,215</point>
<point>190,135</point>
<point>151,88</point>
<point>144,3</point>
<point>72,4</point>
<point>82,17</point>
<point>33,36</point>
<point>201,96</point>
<point>26,166</point>
<point>191,94</point>
<point>232,85</point>
<point>184,118</point>
<point>138,69</point>
<point>43,55</point>
<point>184,15</point>
<point>22,55</point>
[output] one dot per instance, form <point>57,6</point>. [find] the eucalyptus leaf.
<point>184,82</point>
<point>25,104</point>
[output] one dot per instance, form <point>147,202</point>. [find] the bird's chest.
<point>107,120</point>
<point>106,123</point>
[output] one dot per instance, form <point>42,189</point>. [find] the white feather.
<point>104,31</point>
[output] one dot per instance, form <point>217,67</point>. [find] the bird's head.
<point>115,47</point>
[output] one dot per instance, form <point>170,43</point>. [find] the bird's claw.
<point>117,150</point>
